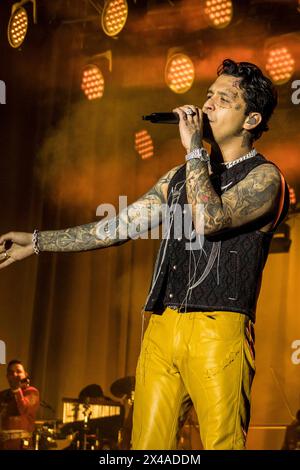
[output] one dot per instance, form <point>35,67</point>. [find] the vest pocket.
<point>233,265</point>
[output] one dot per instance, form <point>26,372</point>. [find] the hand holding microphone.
<point>190,126</point>
<point>16,383</point>
<point>173,118</point>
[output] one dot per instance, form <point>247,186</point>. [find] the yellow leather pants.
<point>207,357</point>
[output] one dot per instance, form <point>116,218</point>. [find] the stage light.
<point>218,13</point>
<point>114,16</point>
<point>179,73</point>
<point>92,82</point>
<point>17,27</point>
<point>18,23</point>
<point>292,194</point>
<point>280,65</point>
<point>144,144</point>
<point>281,242</point>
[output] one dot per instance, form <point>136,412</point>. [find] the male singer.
<point>18,407</point>
<point>199,344</point>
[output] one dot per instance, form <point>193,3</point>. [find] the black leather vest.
<point>225,274</point>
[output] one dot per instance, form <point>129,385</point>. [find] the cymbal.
<point>123,386</point>
<point>105,401</point>
<point>46,421</point>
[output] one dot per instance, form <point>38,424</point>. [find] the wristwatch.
<point>199,153</point>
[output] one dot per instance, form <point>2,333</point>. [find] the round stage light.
<point>292,194</point>
<point>144,144</point>
<point>92,82</point>
<point>280,65</point>
<point>17,27</point>
<point>114,16</point>
<point>179,73</point>
<point>218,12</point>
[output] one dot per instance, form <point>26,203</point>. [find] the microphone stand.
<point>87,415</point>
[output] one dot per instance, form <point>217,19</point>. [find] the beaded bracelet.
<point>35,242</point>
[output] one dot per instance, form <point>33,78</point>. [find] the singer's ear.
<point>252,120</point>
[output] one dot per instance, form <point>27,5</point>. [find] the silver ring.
<point>189,111</point>
<point>6,255</point>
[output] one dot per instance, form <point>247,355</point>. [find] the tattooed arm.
<point>138,218</point>
<point>252,198</point>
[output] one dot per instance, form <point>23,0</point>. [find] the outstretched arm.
<point>93,235</point>
<point>139,215</point>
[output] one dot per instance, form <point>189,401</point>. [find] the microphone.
<point>173,118</point>
<point>44,404</point>
<point>25,381</point>
<point>162,118</point>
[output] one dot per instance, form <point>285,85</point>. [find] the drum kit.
<point>100,423</point>
<point>48,436</point>
<point>124,389</point>
<point>91,422</point>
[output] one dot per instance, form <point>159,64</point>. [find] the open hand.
<point>15,246</point>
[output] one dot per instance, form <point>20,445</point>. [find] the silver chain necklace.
<point>250,154</point>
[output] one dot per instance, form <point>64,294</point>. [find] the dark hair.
<point>259,92</point>
<point>12,363</point>
<point>298,415</point>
